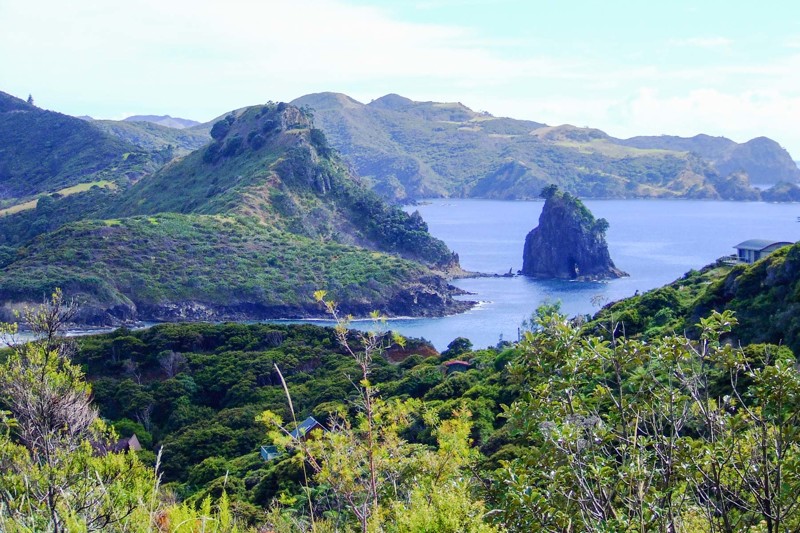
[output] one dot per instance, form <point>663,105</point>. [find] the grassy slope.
<point>418,149</point>
<point>765,297</point>
<point>67,191</point>
<point>153,137</point>
<point>261,218</point>
<point>272,166</point>
<point>238,265</point>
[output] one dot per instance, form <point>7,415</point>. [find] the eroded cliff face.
<point>568,243</point>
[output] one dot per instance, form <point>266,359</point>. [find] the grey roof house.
<point>752,250</point>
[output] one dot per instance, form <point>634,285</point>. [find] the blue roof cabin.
<point>302,432</point>
<point>268,453</point>
<point>752,250</point>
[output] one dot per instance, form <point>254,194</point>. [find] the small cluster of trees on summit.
<point>598,226</point>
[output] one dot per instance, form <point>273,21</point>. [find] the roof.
<point>456,362</point>
<point>759,244</point>
<point>305,427</point>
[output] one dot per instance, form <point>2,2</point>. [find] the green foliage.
<point>627,435</point>
<point>457,346</point>
<point>222,263</point>
<point>152,137</point>
<point>764,295</point>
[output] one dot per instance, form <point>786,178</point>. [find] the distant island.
<point>568,243</point>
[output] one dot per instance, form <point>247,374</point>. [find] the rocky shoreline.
<point>430,297</point>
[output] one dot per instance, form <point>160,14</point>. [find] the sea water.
<point>655,241</point>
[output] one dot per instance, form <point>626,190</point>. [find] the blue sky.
<point>630,68</point>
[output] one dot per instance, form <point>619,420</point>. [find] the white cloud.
<point>241,50</point>
<point>202,58</point>
<point>702,42</point>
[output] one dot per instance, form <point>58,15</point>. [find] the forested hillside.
<point>765,296</point>
<point>247,227</point>
<point>44,152</point>
<point>565,430</point>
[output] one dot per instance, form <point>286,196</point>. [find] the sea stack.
<point>568,243</point>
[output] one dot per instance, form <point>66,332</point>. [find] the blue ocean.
<point>655,241</point>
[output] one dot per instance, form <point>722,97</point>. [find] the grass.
<point>67,191</point>
<point>618,151</point>
<point>219,261</point>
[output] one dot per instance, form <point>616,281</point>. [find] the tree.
<point>54,478</point>
<point>548,191</point>
<point>628,435</point>
<point>30,99</point>
<point>375,477</point>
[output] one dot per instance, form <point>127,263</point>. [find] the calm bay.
<point>655,241</point>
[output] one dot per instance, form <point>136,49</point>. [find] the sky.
<point>725,68</point>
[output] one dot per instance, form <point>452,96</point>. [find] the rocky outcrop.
<point>568,243</point>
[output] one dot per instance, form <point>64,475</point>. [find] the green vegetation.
<point>268,213</point>
<point>154,137</point>
<point>68,191</point>
<point>563,431</point>
<point>268,163</point>
<point>765,297</point>
<point>200,266</point>
<point>44,152</point>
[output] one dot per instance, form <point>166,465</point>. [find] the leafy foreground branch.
<point>670,435</point>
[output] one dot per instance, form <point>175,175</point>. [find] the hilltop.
<point>163,120</point>
<point>269,163</point>
<point>411,150</point>
<point>152,136</point>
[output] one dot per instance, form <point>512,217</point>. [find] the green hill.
<point>163,120</point>
<point>270,164</point>
<point>151,136</point>
<point>44,152</point>
<point>247,227</point>
<point>202,267</point>
<point>413,150</point>
<point>765,297</point>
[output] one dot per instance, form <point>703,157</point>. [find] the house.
<point>303,432</point>
<point>103,447</point>
<point>752,250</point>
<point>124,445</point>
<point>268,453</point>
<point>456,366</point>
<point>304,429</point>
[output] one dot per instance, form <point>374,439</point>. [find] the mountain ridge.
<point>410,150</point>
